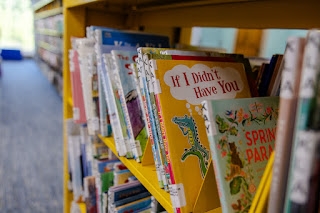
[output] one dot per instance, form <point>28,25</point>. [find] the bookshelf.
<point>172,18</point>
<point>48,39</point>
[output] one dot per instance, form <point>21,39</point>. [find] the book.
<point>289,88</point>
<point>275,78</point>
<point>151,96</point>
<point>179,87</point>
<point>107,40</point>
<point>74,154</point>
<point>123,191</point>
<point>78,108</point>
<point>306,131</point>
<point>267,75</point>
<point>132,198</point>
<point>242,137</point>
<point>121,176</point>
<point>85,47</point>
<point>135,206</point>
<point>130,103</point>
<point>153,130</point>
<point>90,194</point>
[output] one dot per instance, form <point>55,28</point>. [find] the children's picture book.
<point>109,39</point>
<point>242,134</point>
<point>130,103</point>
<point>179,87</point>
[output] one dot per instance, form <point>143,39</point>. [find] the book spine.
<point>131,199</point>
<point>266,77</point>
<point>118,108</point>
<point>134,67</point>
<point>114,120</point>
<point>105,125</point>
<point>152,137</point>
<point>86,47</point>
<point>150,67</point>
<point>132,142</point>
<point>128,192</point>
<point>305,138</point>
<point>157,91</point>
<point>291,71</point>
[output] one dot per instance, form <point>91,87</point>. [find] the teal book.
<point>241,134</point>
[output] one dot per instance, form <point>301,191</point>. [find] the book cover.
<point>180,87</point>
<point>121,176</point>
<point>289,89</point>
<point>242,137</point>
<point>128,95</point>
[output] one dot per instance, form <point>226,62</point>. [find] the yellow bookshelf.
<point>165,18</point>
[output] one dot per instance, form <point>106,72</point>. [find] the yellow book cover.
<point>180,86</point>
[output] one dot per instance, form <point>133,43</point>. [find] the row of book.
<point>100,180</point>
<point>200,113</point>
<point>139,86</point>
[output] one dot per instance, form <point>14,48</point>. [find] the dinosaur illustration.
<point>189,129</point>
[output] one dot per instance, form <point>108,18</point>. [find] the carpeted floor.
<point>30,141</point>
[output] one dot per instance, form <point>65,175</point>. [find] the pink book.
<point>79,115</point>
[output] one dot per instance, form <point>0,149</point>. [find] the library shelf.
<point>165,17</point>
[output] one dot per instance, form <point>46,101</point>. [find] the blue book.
<point>105,165</point>
<point>135,206</point>
<point>131,199</point>
<point>267,75</point>
<point>123,191</point>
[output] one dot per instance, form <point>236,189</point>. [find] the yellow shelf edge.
<point>145,174</point>
<point>76,3</point>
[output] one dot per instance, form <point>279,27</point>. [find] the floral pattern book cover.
<point>242,140</point>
